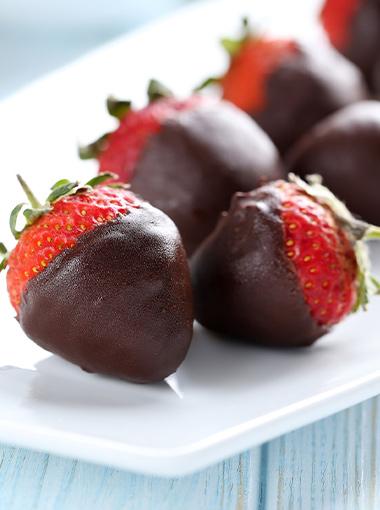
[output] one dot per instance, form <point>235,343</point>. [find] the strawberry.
<point>57,226</point>
<point>173,150</point>
<point>252,60</point>
<point>322,254</point>
<point>119,151</point>
<point>344,149</point>
<point>284,265</point>
<point>100,277</point>
<point>353,28</point>
<point>284,85</point>
<point>336,17</point>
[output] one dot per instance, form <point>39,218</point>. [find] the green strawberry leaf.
<point>31,215</point>
<point>13,220</point>
<point>3,256</point>
<point>372,232</point>
<point>211,80</point>
<point>99,179</point>
<point>62,191</point>
<point>119,185</point>
<point>59,183</point>
<point>363,278</point>
<point>233,46</point>
<point>376,284</point>
<point>118,108</point>
<point>157,90</point>
<point>94,149</point>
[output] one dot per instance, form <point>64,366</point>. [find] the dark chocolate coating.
<point>198,160</point>
<point>375,80</point>
<point>306,87</point>
<point>345,150</point>
<point>119,302</point>
<point>363,45</point>
<point>244,285</point>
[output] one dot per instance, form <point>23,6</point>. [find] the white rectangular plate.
<point>234,396</point>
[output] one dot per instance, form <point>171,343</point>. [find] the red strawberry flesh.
<point>336,18</point>
<point>322,255</point>
<point>125,144</point>
<point>244,83</point>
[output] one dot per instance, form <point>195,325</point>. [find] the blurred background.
<point>38,36</point>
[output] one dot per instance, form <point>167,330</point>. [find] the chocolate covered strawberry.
<point>353,27</point>
<point>345,150</point>
<point>101,278</point>
<point>187,157</point>
<point>287,86</point>
<point>284,265</point>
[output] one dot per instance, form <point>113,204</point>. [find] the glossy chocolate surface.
<point>198,160</point>
<point>363,45</point>
<point>119,302</point>
<point>305,88</point>
<point>345,150</point>
<point>244,285</point>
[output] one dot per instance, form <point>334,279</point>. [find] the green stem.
<point>30,195</point>
<point>372,233</point>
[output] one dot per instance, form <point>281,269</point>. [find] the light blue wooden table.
<point>331,465</point>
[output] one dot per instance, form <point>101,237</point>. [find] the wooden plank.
<point>332,464</point>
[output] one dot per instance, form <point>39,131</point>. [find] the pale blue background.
<point>37,36</point>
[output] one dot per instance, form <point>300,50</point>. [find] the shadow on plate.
<point>215,361</point>
<point>57,382</point>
